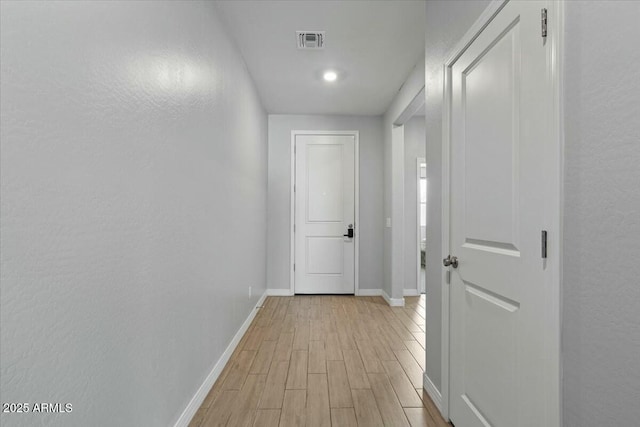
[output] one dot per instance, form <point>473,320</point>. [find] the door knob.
<point>450,261</point>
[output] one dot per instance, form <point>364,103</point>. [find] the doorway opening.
<point>415,204</point>
<point>421,223</point>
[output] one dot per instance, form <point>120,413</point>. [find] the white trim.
<point>419,287</point>
<point>292,214</point>
<point>292,201</point>
<point>432,391</point>
<point>554,217</point>
<point>410,292</point>
<point>369,292</point>
<point>197,399</point>
<point>393,302</point>
<point>412,107</point>
<point>555,173</point>
<point>444,197</point>
<point>279,292</point>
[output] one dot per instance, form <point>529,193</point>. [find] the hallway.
<point>329,360</point>
<point>186,187</point>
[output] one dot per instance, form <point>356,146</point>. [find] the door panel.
<point>324,183</point>
<point>324,255</point>
<point>497,212</point>
<point>324,207</point>
<point>490,96</point>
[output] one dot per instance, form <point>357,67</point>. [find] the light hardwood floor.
<point>326,361</point>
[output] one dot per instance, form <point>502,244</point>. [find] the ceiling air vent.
<point>310,39</point>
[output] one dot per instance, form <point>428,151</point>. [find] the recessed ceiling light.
<point>330,76</point>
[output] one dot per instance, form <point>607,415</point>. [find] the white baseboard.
<point>279,292</point>
<point>393,302</point>
<point>432,391</point>
<point>410,292</point>
<point>201,394</point>
<point>369,292</point>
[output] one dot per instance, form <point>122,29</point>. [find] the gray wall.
<point>133,171</point>
<point>601,286</point>
<point>447,22</point>
<point>371,223</point>
<point>414,147</point>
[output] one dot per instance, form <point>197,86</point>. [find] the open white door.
<point>500,133</point>
<point>324,214</point>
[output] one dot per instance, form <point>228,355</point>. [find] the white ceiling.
<point>373,45</point>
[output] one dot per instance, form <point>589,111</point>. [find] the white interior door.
<point>324,210</point>
<point>499,124</point>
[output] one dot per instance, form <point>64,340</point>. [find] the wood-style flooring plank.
<point>318,412</point>
<point>273,393</point>
<point>332,346</point>
<point>343,417</point>
<point>263,359</point>
<point>294,408</point>
<point>339,390</point>
<point>345,336</point>
<point>421,338</point>
<point>254,339</point>
<point>239,370</point>
<point>301,337</point>
<point>355,370</point>
<point>366,408</point>
<point>401,385</point>
<point>220,411</point>
<point>419,417</point>
<point>244,409</point>
<point>410,366</point>
<point>316,332</point>
<point>388,404</point>
<point>405,320</point>
<point>317,358</point>
<point>417,351</point>
<point>283,347</point>
<point>272,332</point>
<point>267,418</point>
<point>297,378</point>
<point>369,357</point>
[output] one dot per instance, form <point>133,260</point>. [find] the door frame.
<point>419,287</point>
<point>398,193</point>
<point>292,201</point>
<point>553,218</point>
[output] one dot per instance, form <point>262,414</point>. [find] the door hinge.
<point>543,22</point>
<point>294,267</point>
<point>294,228</point>
<point>543,244</point>
<point>294,188</point>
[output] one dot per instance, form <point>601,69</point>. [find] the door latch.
<point>450,261</point>
<point>350,232</point>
